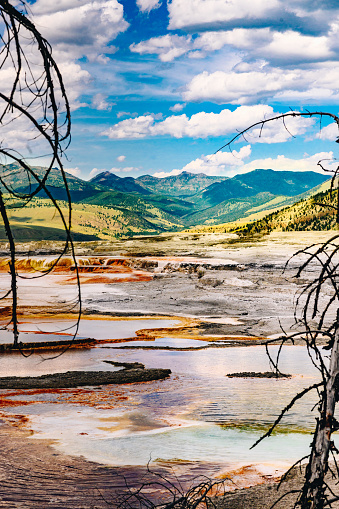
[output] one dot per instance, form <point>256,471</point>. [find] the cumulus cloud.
<point>233,87</point>
<point>177,107</point>
<point>126,169</point>
<point>190,13</point>
<point>81,28</point>
<point>329,132</point>
<point>95,171</point>
<point>168,47</point>
<point>283,163</point>
<point>221,163</point>
<point>76,172</point>
<point>100,103</point>
<point>303,15</point>
<point>148,5</point>
<point>274,46</point>
<point>131,128</point>
<point>121,158</point>
<point>203,125</point>
<point>244,86</point>
<point>162,174</point>
<point>294,47</point>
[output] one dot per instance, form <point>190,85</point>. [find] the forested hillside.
<point>314,213</point>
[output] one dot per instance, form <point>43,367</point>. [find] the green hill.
<point>109,205</point>
<point>314,213</point>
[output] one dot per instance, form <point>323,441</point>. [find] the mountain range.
<point>109,205</point>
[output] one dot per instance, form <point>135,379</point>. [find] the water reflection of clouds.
<point>197,391</point>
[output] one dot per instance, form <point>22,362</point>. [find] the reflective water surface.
<point>198,414</point>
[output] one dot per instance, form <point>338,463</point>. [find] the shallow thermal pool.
<point>198,414</point>
<point>52,330</point>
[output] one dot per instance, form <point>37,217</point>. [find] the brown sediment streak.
<point>106,397</point>
<point>191,332</point>
<point>105,279</point>
<point>91,270</point>
<point>100,316</point>
<point>4,402</point>
<point>246,476</point>
<point>85,265</point>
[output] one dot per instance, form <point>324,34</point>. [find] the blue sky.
<point>157,87</point>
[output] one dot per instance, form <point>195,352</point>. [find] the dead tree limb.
<point>33,100</point>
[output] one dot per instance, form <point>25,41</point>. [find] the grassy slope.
<point>38,220</point>
<point>307,214</point>
<point>97,221</point>
<point>161,204</point>
<point>259,212</point>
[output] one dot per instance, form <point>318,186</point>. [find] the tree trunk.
<point>313,491</point>
<point>8,231</point>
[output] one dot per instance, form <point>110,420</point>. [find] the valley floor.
<point>201,290</point>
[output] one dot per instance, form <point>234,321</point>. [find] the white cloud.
<point>76,172</point>
<point>81,28</point>
<point>126,169</point>
<point>330,132</point>
<point>95,172</point>
<point>203,125</point>
<point>242,38</point>
<point>99,103</point>
<point>75,80</point>
<point>248,86</point>
<point>282,163</point>
<point>131,128</point>
<point>177,107</point>
<point>280,131</point>
<point>236,88</point>
<point>292,46</point>
<point>121,158</point>
<point>168,47</point>
<point>221,163</point>
<point>148,5</point>
<point>264,43</point>
<point>190,13</point>
<point>162,174</point>
<point>306,16</point>
<point>230,164</point>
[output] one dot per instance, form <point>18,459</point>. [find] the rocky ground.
<point>83,378</point>
<point>248,281</point>
<point>233,288</point>
<point>266,496</point>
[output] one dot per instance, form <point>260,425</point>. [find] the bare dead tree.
<point>318,317</point>
<point>168,493</point>
<point>34,107</point>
